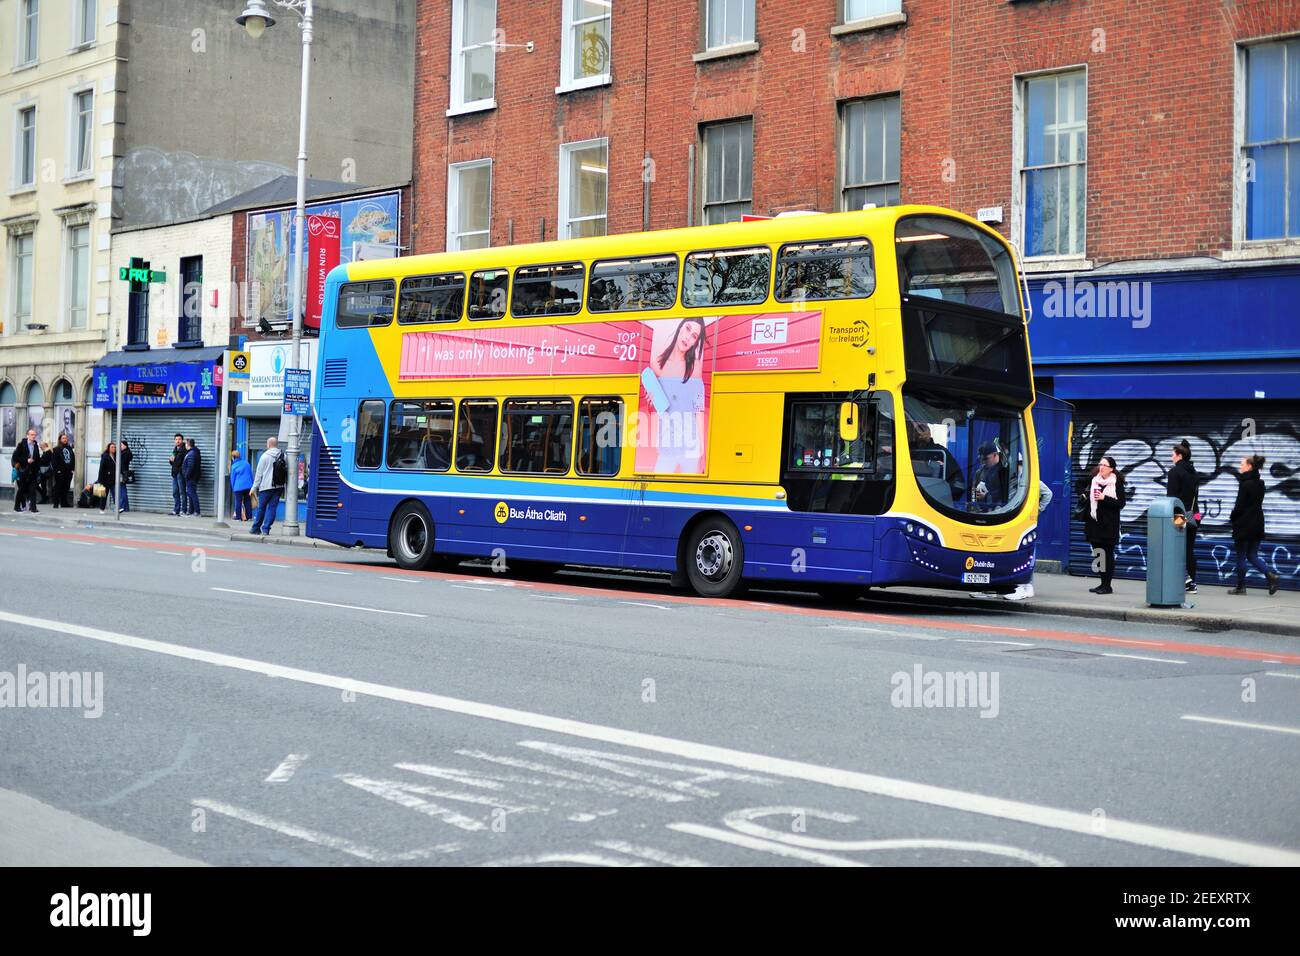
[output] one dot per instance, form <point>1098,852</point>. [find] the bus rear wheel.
<point>410,537</point>
<point>715,558</point>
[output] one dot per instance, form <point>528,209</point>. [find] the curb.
<point>211,531</point>
<point>286,542</point>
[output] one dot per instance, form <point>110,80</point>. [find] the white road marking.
<point>412,797</point>
<point>122,547</point>
<point>268,564</point>
<point>326,840</point>
<point>84,544</point>
<point>286,769</point>
<point>298,600</point>
<point>882,630</point>
<point>766,846</point>
<point>212,558</point>
<point>645,604</point>
<point>985,640</point>
<point>1120,640</point>
<point>401,580</point>
<point>573,780</point>
<point>1139,657</point>
<point>1225,849</point>
<point>1000,628</point>
<point>466,587</point>
<point>619,764</point>
<point>555,597</point>
<point>1281,674</point>
<point>174,554</point>
<point>649,853</point>
<point>1276,728</point>
<point>328,571</point>
<point>41,537</point>
<point>580,859</point>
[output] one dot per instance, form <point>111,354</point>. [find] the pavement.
<point>1212,609</point>
<point>258,706</point>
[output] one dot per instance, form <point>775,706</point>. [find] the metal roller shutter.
<point>150,435</point>
<point>1141,436</point>
<point>260,429</point>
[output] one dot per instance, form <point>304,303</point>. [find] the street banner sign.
<point>238,371</point>
<point>297,391</point>
<point>323,233</point>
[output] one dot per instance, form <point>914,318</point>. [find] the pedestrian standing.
<point>191,471</point>
<point>65,464</point>
<point>176,459</point>
<point>46,473</point>
<point>108,474</point>
<point>1101,522</point>
<point>26,460</point>
<point>269,483</point>
<point>1248,524</point>
<point>241,483</point>
<point>123,504</point>
<point>1183,484</point>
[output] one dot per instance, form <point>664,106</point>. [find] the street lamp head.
<point>255,18</point>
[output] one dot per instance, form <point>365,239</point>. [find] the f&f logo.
<point>767,331</point>
<point>501,512</point>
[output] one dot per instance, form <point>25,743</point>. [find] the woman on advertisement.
<point>674,382</point>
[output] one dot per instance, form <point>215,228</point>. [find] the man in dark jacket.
<point>192,471</point>
<point>65,463</point>
<point>176,459</point>
<point>27,459</point>
<point>1248,524</point>
<point>1182,484</point>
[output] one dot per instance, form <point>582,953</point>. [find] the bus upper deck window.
<point>828,269</point>
<point>488,291</point>
<point>633,285</point>
<point>365,304</point>
<point>547,290</point>
<point>437,298</point>
<point>727,277</point>
<point>942,258</point>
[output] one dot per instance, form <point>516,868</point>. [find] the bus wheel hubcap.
<point>713,555</point>
<point>413,537</point>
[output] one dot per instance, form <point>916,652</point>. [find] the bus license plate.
<point>974,577</point>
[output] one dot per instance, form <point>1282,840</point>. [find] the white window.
<point>83,22</point>
<point>78,261</point>
<point>22,273</point>
<point>473,54</point>
<point>728,165</point>
<point>1053,163</point>
<point>25,148</point>
<point>855,10</point>
<point>869,148</point>
<point>584,188</point>
<point>586,51</point>
<point>82,134</point>
<point>728,22</point>
<point>29,15</point>
<point>1271,145</point>
<point>469,205</point>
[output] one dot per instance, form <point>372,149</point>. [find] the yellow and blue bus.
<point>836,400</point>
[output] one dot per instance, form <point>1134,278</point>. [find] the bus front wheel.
<point>715,558</point>
<point>410,537</point>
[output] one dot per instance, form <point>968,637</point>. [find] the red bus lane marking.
<point>835,614</point>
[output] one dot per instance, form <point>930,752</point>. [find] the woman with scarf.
<point>1101,520</point>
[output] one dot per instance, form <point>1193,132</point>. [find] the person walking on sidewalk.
<point>1248,524</point>
<point>176,459</point>
<point>26,459</point>
<point>1183,484</point>
<point>1101,522</point>
<point>65,463</point>
<point>241,482</point>
<point>107,474</point>
<point>269,483</point>
<point>127,477</point>
<point>192,472</point>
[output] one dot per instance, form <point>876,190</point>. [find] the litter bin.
<point>1166,552</point>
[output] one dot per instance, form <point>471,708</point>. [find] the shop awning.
<point>168,356</point>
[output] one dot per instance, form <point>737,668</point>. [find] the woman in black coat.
<point>1101,519</point>
<point>107,472</point>
<point>1183,484</point>
<point>1248,524</point>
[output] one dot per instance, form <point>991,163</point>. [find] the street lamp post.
<point>255,19</point>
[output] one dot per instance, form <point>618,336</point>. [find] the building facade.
<point>1151,185</point>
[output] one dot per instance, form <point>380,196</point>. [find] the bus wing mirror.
<point>848,421</point>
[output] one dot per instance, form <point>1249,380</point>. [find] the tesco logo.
<point>767,332</point>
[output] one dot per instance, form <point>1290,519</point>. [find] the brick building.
<point>1143,154</point>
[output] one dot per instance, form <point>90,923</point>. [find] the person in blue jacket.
<point>241,480</point>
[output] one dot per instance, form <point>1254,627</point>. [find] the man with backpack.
<point>269,483</point>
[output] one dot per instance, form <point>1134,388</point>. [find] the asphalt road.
<point>267,706</point>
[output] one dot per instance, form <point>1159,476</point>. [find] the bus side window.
<point>476,432</point>
<point>537,436</point>
<point>633,285</point>
<point>419,435</point>
<point>826,269</point>
<point>488,291</point>
<point>727,277</point>
<point>600,436</point>
<point>547,290</point>
<point>438,298</point>
<point>370,434</point>
<point>365,304</point>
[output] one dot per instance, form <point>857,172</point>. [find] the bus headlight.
<point>1029,538</point>
<point>921,533</point>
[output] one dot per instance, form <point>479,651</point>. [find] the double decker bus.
<point>835,400</point>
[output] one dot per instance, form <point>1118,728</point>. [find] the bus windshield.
<point>968,455</point>
<point>953,261</point>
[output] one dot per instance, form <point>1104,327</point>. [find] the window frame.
<point>564,221</point>
<point>568,50</point>
<point>704,203</point>
<point>1019,211</point>
<point>80,21</point>
<point>843,14</point>
<point>20,158</point>
<point>677,281</point>
<point>681,298</point>
<point>456,74</point>
<point>192,324</point>
<point>842,144</point>
<point>454,235</point>
<point>383,434</point>
<point>495,437</point>
<point>70,278</point>
<point>867,409</point>
<point>464,294</point>
<point>372,324</point>
<point>75,117</point>
<point>582,287</point>
<point>26,54</point>
<point>501,433</point>
<point>505,306</point>
<point>748,6</point>
<point>20,319</point>
<point>776,274</point>
<point>577,434</point>
<point>388,435</point>
<point>1242,243</point>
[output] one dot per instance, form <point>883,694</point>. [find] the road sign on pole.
<point>238,371</point>
<point>297,391</point>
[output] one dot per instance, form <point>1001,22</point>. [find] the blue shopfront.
<point>149,424</point>
<point>1147,359</point>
